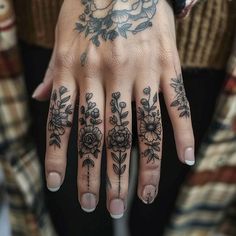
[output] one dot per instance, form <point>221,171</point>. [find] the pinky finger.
<point>179,111</point>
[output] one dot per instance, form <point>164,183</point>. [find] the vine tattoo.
<point>112,18</point>
<point>150,126</point>
<point>90,136</point>
<point>59,115</point>
<point>119,137</point>
<point>180,101</point>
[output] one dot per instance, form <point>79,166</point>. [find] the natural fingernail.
<point>117,208</point>
<point>53,181</point>
<point>149,193</point>
<point>189,156</point>
<point>38,90</point>
<point>88,202</point>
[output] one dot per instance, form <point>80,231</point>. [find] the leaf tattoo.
<point>119,137</point>
<point>180,101</point>
<point>150,126</point>
<point>59,115</point>
<point>90,135</point>
<point>109,19</point>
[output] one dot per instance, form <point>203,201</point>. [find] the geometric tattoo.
<point>150,126</point>
<point>119,137</point>
<point>90,136</point>
<point>59,113</point>
<point>109,19</point>
<point>181,101</point>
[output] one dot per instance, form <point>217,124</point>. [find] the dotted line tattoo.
<point>90,135</point>
<point>150,126</point>
<point>59,116</point>
<point>180,101</point>
<point>119,137</point>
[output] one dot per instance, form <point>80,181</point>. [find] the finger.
<point>58,129</point>
<point>180,115</point>
<point>150,140</point>
<point>43,90</point>
<point>118,143</point>
<point>90,143</point>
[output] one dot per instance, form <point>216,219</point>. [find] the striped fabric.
<point>207,202</point>
<point>18,159</point>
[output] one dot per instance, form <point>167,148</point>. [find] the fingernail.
<point>117,208</point>
<point>53,181</point>
<point>149,193</point>
<point>38,90</point>
<point>189,156</point>
<point>88,202</point>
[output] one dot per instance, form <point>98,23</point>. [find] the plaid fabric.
<point>206,204</point>
<point>18,158</point>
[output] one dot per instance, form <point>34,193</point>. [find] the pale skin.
<point>128,56</point>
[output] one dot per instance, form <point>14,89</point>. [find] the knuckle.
<point>63,59</point>
<point>117,59</point>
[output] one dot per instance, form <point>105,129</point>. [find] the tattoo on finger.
<point>150,128</point>
<point>180,100</point>
<point>119,137</point>
<point>90,136</point>
<point>60,113</point>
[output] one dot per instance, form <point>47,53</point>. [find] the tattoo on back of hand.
<point>119,137</point>
<point>112,18</point>
<point>180,101</point>
<point>60,113</point>
<point>150,126</point>
<point>90,136</point>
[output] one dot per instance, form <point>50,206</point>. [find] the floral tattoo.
<point>119,137</point>
<point>59,114</point>
<point>180,101</point>
<point>112,18</point>
<point>150,126</point>
<point>90,136</point>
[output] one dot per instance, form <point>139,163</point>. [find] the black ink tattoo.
<point>119,137</point>
<point>108,183</point>
<point>59,115</point>
<point>181,101</point>
<point>150,126</point>
<point>90,135</point>
<point>112,18</point>
<point>83,59</point>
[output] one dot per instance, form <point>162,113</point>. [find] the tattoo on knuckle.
<point>90,135</point>
<point>60,113</point>
<point>180,101</point>
<point>150,128</point>
<point>119,138</point>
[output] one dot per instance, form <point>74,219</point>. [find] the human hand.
<point>108,53</point>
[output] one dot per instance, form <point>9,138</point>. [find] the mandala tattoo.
<point>119,137</point>
<point>59,115</point>
<point>90,136</point>
<point>150,126</point>
<point>180,101</point>
<point>108,19</point>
